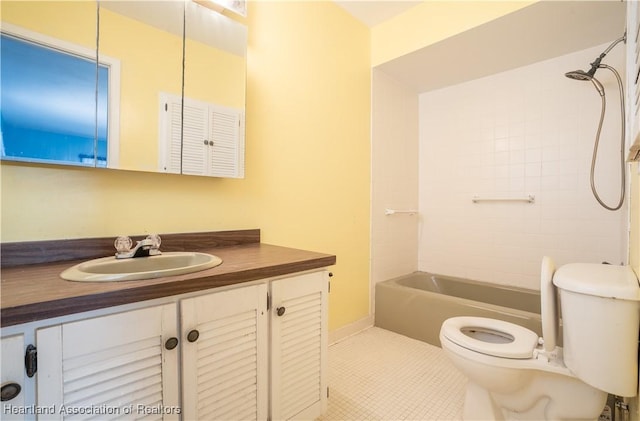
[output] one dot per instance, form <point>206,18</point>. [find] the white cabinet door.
<point>195,141</point>
<point>200,138</point>
<point>170,134</point>
<point>115,366</point>
<point>226,158</point>
<point>299,346</point>
<point>224,355</point>
<point>12,377</point>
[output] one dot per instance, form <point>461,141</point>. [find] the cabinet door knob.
<point>280,311</point>
<point>171,343</point>
<point>9,391</point>
<point>31,360</point>
<point>193,335</point>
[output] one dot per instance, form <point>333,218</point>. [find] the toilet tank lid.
<point>601,280</point>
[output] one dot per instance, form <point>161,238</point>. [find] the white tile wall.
<point>525,131</point>
<point>394,155</point>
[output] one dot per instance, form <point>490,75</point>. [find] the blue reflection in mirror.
<point>48,105</point>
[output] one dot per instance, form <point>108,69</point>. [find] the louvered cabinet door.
<point>224,127</point>
<point>195,141</point>
<point>225,355</point>
<point>111,367</point>
<point>299,346</point>
<point>170,136</point>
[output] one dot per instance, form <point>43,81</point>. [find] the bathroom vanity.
<point>244,340</point>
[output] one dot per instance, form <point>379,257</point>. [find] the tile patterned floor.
<point>381,375</point>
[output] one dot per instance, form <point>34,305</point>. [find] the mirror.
<point>213,106</point>
<point>49,112</point>
<point>148,47</point>
<point>142,57</point>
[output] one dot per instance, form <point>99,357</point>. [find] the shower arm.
<point>596,63</point>
<point>623,38</point>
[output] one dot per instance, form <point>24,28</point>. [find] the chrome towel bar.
<point>394,211</point>
<point>529,199</point>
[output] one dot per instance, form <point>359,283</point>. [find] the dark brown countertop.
<point>36,291</point>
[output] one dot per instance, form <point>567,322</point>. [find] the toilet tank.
<point>600,321</point>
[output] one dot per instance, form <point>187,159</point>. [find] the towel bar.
<point>394,211</point>
<point>529,199</point>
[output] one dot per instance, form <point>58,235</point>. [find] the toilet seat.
<point>511,340</point>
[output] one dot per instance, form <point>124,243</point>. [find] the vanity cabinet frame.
<point>228,321</point>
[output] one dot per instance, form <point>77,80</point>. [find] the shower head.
<point>579,75</point>
<point>589,75</point>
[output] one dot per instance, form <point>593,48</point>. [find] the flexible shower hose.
<point>597,142</point>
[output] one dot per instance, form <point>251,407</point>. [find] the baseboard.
<point>350,329</point>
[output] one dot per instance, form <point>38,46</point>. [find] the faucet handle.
<point>123,244</point>
<point>155,240</point>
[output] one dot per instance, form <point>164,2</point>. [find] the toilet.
<point>515,375</point>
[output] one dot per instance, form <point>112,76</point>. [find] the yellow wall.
<point>53,19</point>
<point>433,21</point>
<point>307,160</point>
<point>141,50</point>
<point>213,75</point>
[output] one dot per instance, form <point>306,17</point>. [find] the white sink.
<point>134,269</point>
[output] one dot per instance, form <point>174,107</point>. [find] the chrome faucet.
<point>150,246</point>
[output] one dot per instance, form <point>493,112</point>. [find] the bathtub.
<point>415,305</point>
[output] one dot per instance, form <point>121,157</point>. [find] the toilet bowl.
<point>511,377</point>
<point>514,374</point>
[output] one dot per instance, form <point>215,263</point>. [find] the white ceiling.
<point>372,13</point>
<point>544,30</point>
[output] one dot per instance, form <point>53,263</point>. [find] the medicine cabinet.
<point>99,100</point>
